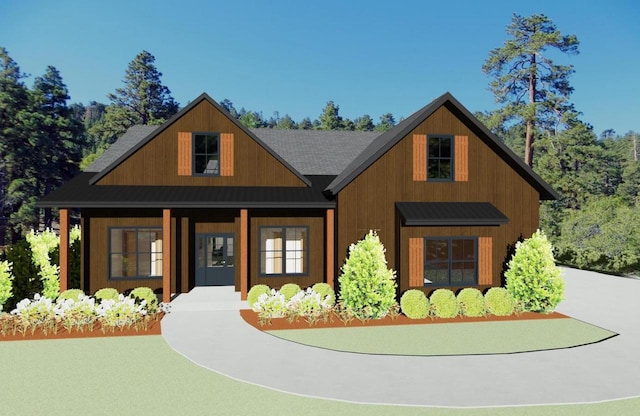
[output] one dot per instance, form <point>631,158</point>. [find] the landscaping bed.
<point>252,319</point>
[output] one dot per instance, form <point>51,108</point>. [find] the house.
<point>202,200</point>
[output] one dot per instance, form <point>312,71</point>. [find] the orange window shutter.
<point>419,157</point>
<point>485,261</point>
<point>461,163</point>
<point>184,154</point>
<point>226,154</point>
<point>416,262</point>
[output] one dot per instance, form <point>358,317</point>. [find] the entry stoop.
<point>209,298</point>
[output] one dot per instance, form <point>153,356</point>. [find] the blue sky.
<point>293,56</point>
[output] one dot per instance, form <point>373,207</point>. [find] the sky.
<point>369,57</point>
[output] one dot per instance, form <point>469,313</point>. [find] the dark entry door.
<point>214,259</point>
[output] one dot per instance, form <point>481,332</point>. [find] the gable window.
<point>206,154</point>
<point>135,253</point>
<point>440,158</point>
<point>284,250</point>
<point>450,261</point>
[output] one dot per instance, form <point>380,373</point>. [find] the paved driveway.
<point>222,341</point>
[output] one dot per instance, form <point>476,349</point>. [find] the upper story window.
<point>206,154</point>
<point>440,158</point>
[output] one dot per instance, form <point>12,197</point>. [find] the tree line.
<point>44,141</point>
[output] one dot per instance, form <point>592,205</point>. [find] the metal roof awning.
<point>450,214</point>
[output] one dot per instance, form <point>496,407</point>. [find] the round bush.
<point>533,277</point>
<point>499,302</point>
<point>471,302</point>
<point>146,293</point>
<point>72,294</point>
<point>289,290</point>
<point>255,292</point>
<point>324,290</point>
<point>414,304</point>
<point>106,294</point>
<point>444,304</point>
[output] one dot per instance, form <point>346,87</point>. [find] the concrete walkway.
<point>222,341</point>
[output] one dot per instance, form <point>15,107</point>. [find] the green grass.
<point>451,339</point>
<point>144,376</point>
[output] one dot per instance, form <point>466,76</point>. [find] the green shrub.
<point>533,277</point>
<point>26,282</point>
<point>72,294</point>
<point>255,292</point>
<point>6,282</point>
<point>105,294</point>
<point>471,302</point>
<point>146,293</point>
<point>324,290</point>
<point>367,287</point>
<point>42,245</point>
<point>414,304</point>
<point>444,304</point>
<point>289,290</point>
<point>499,302</point>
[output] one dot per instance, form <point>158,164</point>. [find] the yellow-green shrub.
<point>414,304</point>
<point>444,303</point>
<point>471,302</point>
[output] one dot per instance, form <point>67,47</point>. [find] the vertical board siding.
<point>416,262</point>
<point>485,260</point>
<point>226,154</point>
<point>461,154</point>
<point>419,157</point>
<point>184,153</point>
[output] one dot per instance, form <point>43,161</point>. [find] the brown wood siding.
<point>368,202</point>
<point>185,153</point>
<point>485,261</point>
<point>416,262</point>
<point>156,163</point>
<point>419,157</point>
<point>461,154</point>
<point>226,154</point>
<point>316,250</point>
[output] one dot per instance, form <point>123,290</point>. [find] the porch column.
<point>166,255</point>
<point>330,245</point>
<point>64,249</point>
<point>244,253</point>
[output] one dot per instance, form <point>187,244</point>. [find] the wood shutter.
<point>226,154</point>
<point>461,164</point>
<point>185,153</point>
<point>416,262</point>
<point>485,261</point>
<point>419,157</point>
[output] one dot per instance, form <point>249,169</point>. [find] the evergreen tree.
<point>252,119</point>
<point>330,118</point>
<point>142,100</point>
<point>527,82</point>
<point>386,122</point>
<point>364,123</point>
<point>286,122</point>
<point>305,124</point>
<point>228,105</point>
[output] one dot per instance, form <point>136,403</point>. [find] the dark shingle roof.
<point>131,138</point>
<point>317,152</point>
<point>450,213</point>
<point>388,139</point>
<point>79,193</point>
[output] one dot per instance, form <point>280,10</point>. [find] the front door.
<point>214,259</point>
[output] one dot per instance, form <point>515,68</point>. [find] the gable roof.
<point>391,137</point>
<point>129,139</point>
<point>161,128</point>
<point>317,152</point>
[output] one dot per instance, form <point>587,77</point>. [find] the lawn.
<point>144,376</point>
<point>452,338</point>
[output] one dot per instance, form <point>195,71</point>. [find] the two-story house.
<point>202,200</point>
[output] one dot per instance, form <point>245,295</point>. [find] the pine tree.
<point>527,82</point>
<point>330,118</point>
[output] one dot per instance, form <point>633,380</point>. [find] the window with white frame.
<point>283,250</point>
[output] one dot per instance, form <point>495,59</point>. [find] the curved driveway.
<point>222,341</point>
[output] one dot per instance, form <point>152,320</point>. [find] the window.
<point>283,250</point>
<point>440,158</point>
<point>450,261</point>
<point>206,154</point>
<point>135,253</point>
